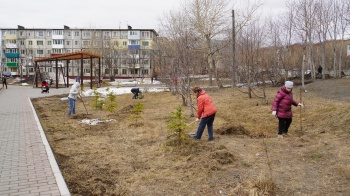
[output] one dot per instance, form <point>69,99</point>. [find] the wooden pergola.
<point>67,57</point>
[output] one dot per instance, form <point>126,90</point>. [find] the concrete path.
<point>27,164</point>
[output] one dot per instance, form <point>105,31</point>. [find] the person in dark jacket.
<point>136,92</point>
<point>282,108</point>
<point>206,111</point>
<point>4,83</point>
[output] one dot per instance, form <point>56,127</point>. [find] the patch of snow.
<point>95,121</point>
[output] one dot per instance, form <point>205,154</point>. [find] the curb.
<point>54,166</point>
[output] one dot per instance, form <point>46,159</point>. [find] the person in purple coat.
<point>282,108</point>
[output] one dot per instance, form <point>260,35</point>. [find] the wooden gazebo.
<point>70,56</point>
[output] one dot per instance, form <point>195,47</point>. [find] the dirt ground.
<point>121,157</point>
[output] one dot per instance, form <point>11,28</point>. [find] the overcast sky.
<point>140,14</point>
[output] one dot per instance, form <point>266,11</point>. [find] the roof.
<point>69,56</point>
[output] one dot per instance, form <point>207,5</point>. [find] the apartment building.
<point>125,52</point>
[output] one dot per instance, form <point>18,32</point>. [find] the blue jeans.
<point>71,106</point>
<point>207,121</point>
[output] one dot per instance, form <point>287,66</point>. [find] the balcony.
<point>134,47</point>
<point>12,64</point>
<point>12,55</point>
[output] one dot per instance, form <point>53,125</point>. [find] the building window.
<point>40,33</point>
<point>30,43</point>
<point>145,43</point>
<point>124,34</point>
<point>133,33</point>
<point>115,71</point>
<point>116,34</point>
<point>86,33</point>
<point>98,34</point>
<point>22,43</point>
<point>134,71</point>
<point>68,43</point>
<point>97,43</point>
<point>86,43</point>
<point>12,60</point>
<point>76,43</point>
<point>48,34</point>
<point>124,71</point>
<point>39,43</point>
<point>40,52</point>
<point>144,52</point>
<point>86,70</point>
<point>106,44</point>
<point>49,43</point>
<point>145,62</point>
<point>145,34</point>
<point>57,51</point>
<point>68,33</point>
<point>11,41</point>
<point>115,43</point>
<point>48,52</point>
<point>12,32</point>
<point>145,72</point>
<point>58,41</point>
<point>134,42</point>
<point>57,32</point>
<point>23,52</point>
<point>125,43</point>
<point>76,33</point>
<point>30,51</point>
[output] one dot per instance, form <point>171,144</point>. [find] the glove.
<point>301,105</point>
<point>274,113</point>
<point>197,119</point>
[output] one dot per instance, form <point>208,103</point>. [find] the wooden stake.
<point>300,109</point>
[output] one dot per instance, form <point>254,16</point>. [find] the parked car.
<point>6,74</point>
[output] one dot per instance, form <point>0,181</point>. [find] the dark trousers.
<point>283,125</point>
<point>4,84</point>
<point>207,121</point>
<point>136,94</point>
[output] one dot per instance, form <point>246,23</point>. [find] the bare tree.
<point>209,18</point>
<point>183,52</point>
<point>250,42</point>
<point>304,24</point>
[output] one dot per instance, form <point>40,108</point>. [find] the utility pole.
<point>233,49</point>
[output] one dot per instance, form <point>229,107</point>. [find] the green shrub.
<point>177,125</point>
<point>97,102</point>
<point>136,112</point>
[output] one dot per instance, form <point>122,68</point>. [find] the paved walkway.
<point>27,164</point>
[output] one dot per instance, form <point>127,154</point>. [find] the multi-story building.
<point>125,52</point>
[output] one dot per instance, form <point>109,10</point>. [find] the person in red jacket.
<point>205,113</point>
<point>282,108</point>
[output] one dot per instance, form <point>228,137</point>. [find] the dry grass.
<point>116,158</point>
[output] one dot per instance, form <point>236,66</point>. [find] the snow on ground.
<point>95,121</point>
<point>124,86</point>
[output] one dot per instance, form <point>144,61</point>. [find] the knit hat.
<point>288,84</point>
